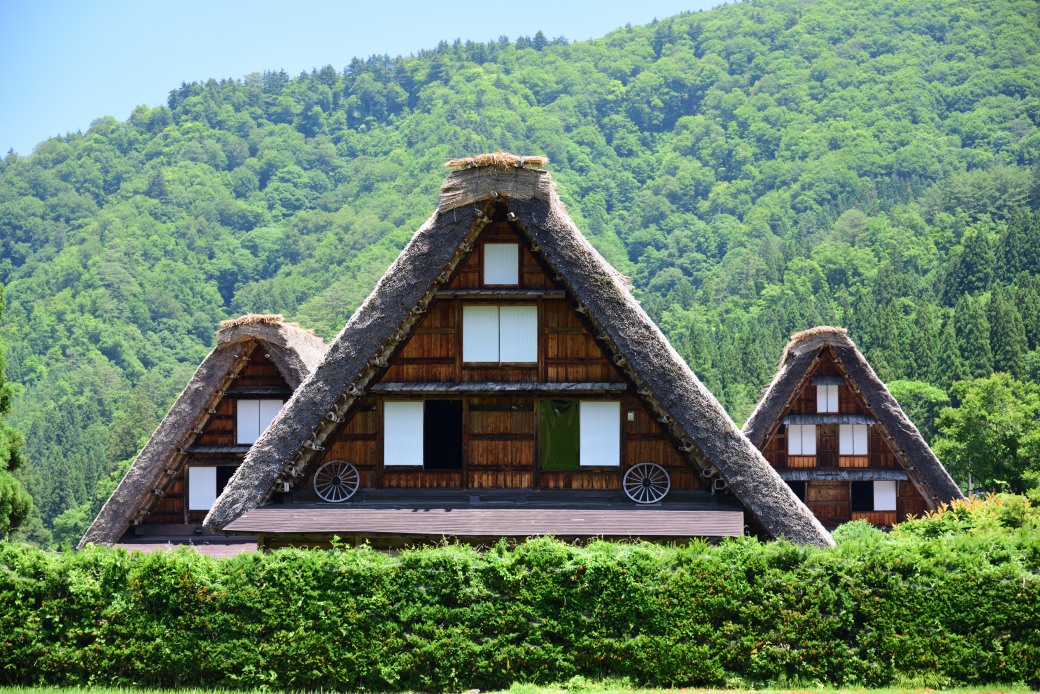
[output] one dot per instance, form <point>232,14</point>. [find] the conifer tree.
<point>1016,247</point>
<point>1027,302</point>
<point>1007,336</point>
<point>949,365</point>
<point>890,336</point>
<point>922,345</point>
<point>15,503</point>
<point>973,270</point>
<point>973,337</point>
<point>699,348</point>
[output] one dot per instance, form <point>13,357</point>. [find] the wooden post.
<point>465,443</point>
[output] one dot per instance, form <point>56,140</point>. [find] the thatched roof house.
<point>258,359</point>
<point>403,351</point>
<point>833,431</point>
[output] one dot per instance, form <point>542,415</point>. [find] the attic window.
<point>500,334</point>
<point>254,416</point>
<point>501,263</point>
<point>852,439</point>
<point>827,398</point>
<point>801,439</point>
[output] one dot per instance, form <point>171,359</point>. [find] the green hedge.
<point>450,618</point>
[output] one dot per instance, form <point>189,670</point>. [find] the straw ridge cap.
<point>261,319</point>
<point>499,160</point>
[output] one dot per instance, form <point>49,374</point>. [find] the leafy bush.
<point>449,618</point>
<point>975,515</point>
<point>856,531</point>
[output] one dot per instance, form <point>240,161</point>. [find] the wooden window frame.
<point>460,345</point>
<point>482,258</point>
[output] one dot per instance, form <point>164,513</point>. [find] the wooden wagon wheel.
<point>336,481</point>
<point>647,483</point>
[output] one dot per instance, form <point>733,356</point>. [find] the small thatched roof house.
<point>831,429</point>
<point>499,378</point>
<point>258,362</point>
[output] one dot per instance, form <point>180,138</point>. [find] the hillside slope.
<point>758,169</point>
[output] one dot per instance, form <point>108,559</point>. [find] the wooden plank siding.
<point>219,431</point>
<point>500,448</point>
<point>882,519</point>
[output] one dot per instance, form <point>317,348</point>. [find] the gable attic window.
<point>852,445</point>
<point>801,445</point>
<point>499,334</point>
<point>253,418</point>
<point>827,398</point>
<point>501,264</point>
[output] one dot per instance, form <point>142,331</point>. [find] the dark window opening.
<point>798,488</point>
<point>224,474</point>
<point>558,434</point>
<point>442,435</point>
<point>862,496</point>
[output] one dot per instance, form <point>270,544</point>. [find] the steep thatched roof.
<point>386,317</point>
<point>293,350</point>
<point>922,467</point>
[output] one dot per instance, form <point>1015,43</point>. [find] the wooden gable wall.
<point>260,375</point>
<point>830,499</point>
<point>500,446</point>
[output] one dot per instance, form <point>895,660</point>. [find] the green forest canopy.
<point>758,169</point>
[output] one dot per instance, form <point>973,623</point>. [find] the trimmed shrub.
<point>449,618</point>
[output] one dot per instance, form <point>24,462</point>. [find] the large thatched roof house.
<point>834,433</point>
<point>501,381</point>
<point>235,393</point>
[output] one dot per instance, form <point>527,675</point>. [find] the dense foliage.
<point>758,169</point>
<point>993,434</point>
<point>447,619</point>
<point>15,503</point>
<point>975,515</point>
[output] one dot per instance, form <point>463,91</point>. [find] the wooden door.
<point>828,500</point>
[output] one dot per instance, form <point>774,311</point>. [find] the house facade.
<point>834,433</point>
<point>501,381</point>
<point>229,402</point>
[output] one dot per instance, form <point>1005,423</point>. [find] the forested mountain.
<point>758,169</point>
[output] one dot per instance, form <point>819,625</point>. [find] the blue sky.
<point>63,64</point>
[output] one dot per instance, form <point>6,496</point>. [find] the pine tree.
<point>922,345</point>
<point>1007,336</point>
<point>890,336</point>
<point>1015,252</point>
<point>949,365</point>
<point>15,503</point>
<point>699,350</point>
<point>973,337</point>
<point>974,268</point>
<point>1027,302</point>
